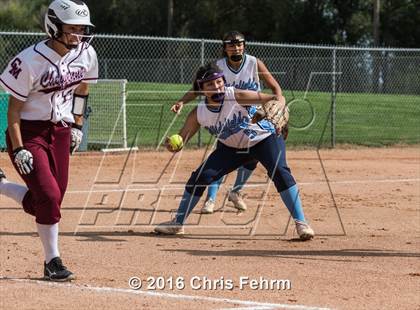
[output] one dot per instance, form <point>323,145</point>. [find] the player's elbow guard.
<point>79,104</point>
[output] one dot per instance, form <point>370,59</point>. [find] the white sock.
<point>49,239</point>
<point>13,190</point>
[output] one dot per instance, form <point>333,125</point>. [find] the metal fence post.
<point>333,97</point>
<point>124,112</point>
<point>361,76</point>
<point>202,63</point>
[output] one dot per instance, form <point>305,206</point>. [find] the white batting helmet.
<point>68,12</point>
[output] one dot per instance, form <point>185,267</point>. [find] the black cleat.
<point>56,271</point>
<point>2,175</point>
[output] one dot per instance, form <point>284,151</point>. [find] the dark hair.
<point>203,72</point>
<point>231,35</point>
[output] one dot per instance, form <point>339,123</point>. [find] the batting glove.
<point>24,160</point>
<point>76,138</point>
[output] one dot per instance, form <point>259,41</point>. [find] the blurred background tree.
<point>344,22</point>
<point>24,15</point>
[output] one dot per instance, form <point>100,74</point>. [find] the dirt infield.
<point>365,255</point>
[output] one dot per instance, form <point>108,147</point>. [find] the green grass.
<point>362,119</point>
<point>149,115</point>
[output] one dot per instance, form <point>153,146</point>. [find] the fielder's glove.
<point>76,138</point>
<point>23,160</point>
<point>276,112</point>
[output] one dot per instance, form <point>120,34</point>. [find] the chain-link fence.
<point>351,95</point>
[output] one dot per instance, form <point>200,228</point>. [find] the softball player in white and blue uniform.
<point>225,114</point>
<point>245,72</point>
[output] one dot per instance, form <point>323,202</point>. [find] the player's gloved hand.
<point>276,112</point>
<point>76,138</point>
<point>23,160</point>
<point>177,107</point>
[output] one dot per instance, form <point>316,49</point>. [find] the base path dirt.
<point>364,205</point>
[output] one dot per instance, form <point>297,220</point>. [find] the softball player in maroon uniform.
<point>48,87</point>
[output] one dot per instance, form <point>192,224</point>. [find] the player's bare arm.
<point>191,126</point>
<point>82,91</point>
<point>79,106</point>
<point>268,78</point>
<point>247,97</point>
<point>274,108</point>
<point>270,82</point>
<point>188,97</point>
<point>13,121</point>
<point>22,158</point>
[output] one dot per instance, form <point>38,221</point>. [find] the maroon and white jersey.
<point>46,81</point>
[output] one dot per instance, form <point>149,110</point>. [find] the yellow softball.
<point>176,142</point>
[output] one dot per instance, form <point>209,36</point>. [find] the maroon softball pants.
<point>49,144</point>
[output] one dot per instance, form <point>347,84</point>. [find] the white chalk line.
<point>169,187</point>
<point>248,308</point>
<point>260,305</point>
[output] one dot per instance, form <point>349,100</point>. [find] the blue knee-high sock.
<point>241,178</point>
<point>187,204</point>
<point>292,201</point>
<point>213,188</point>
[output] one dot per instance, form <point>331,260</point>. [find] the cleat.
<point>56,271</point>
<point>169,228</point>
<point>208,207</point>
<point>304,231</point>
<point>236,199</point>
